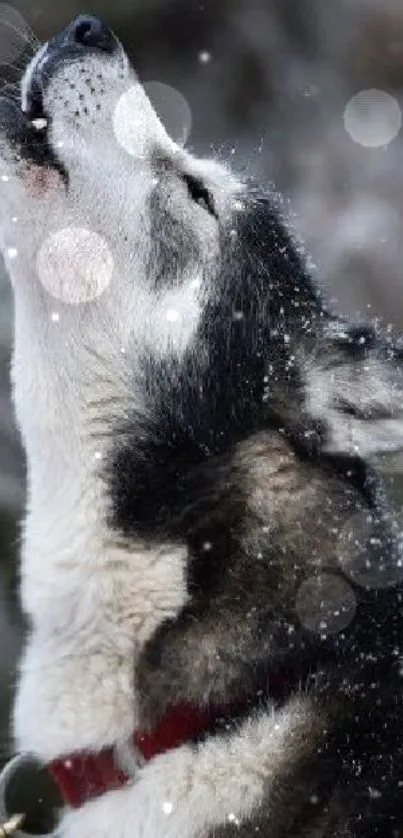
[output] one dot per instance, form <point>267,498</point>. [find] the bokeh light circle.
<point>373,118</point>
<point>366,555</point>
<point>75,265</point>
<point>15,34</point>
<point>131,117</point>
<point>172,109</point>
<point>325,604</point>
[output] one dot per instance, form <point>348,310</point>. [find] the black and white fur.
<point>187,477</point>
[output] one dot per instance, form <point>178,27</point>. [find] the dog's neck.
<point>93,602</point>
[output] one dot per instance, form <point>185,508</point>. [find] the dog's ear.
<point>354,389</point>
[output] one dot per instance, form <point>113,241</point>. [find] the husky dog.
<point>204,531</point>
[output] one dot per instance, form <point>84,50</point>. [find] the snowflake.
<point>172,315</point>
<point>373,118</point>
<point>233,818</point>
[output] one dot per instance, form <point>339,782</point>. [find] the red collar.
<point>81,776</point>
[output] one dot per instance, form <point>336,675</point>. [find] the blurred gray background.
<point>267,83</point>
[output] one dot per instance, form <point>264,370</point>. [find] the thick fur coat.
<point>203,523</point>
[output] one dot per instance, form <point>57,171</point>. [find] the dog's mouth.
<point>38,130</point>
<point>27,132</point>
<point>24,123</point>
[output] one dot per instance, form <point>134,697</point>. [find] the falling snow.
<point>173,315</point>
<point>239,206</point>
<point>233,819</point>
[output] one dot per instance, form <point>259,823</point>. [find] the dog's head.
<point>123,247</point>
<point>108,228</point>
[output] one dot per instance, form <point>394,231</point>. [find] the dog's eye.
<point>200,194</point>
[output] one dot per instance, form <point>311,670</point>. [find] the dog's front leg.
<point>198,788</point>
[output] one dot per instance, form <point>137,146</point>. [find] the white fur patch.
<point>92,613</point>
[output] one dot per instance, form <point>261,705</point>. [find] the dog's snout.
<point>85,34</point>
<point>89,32</point>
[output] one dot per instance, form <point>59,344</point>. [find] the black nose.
<point>85,32</point>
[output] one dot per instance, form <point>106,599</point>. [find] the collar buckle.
<point>11,826</point>
<point>25,787</point>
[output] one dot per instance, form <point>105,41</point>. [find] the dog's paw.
<point>129,812</point>
<point>164,801</point>
<point>102,817</point>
